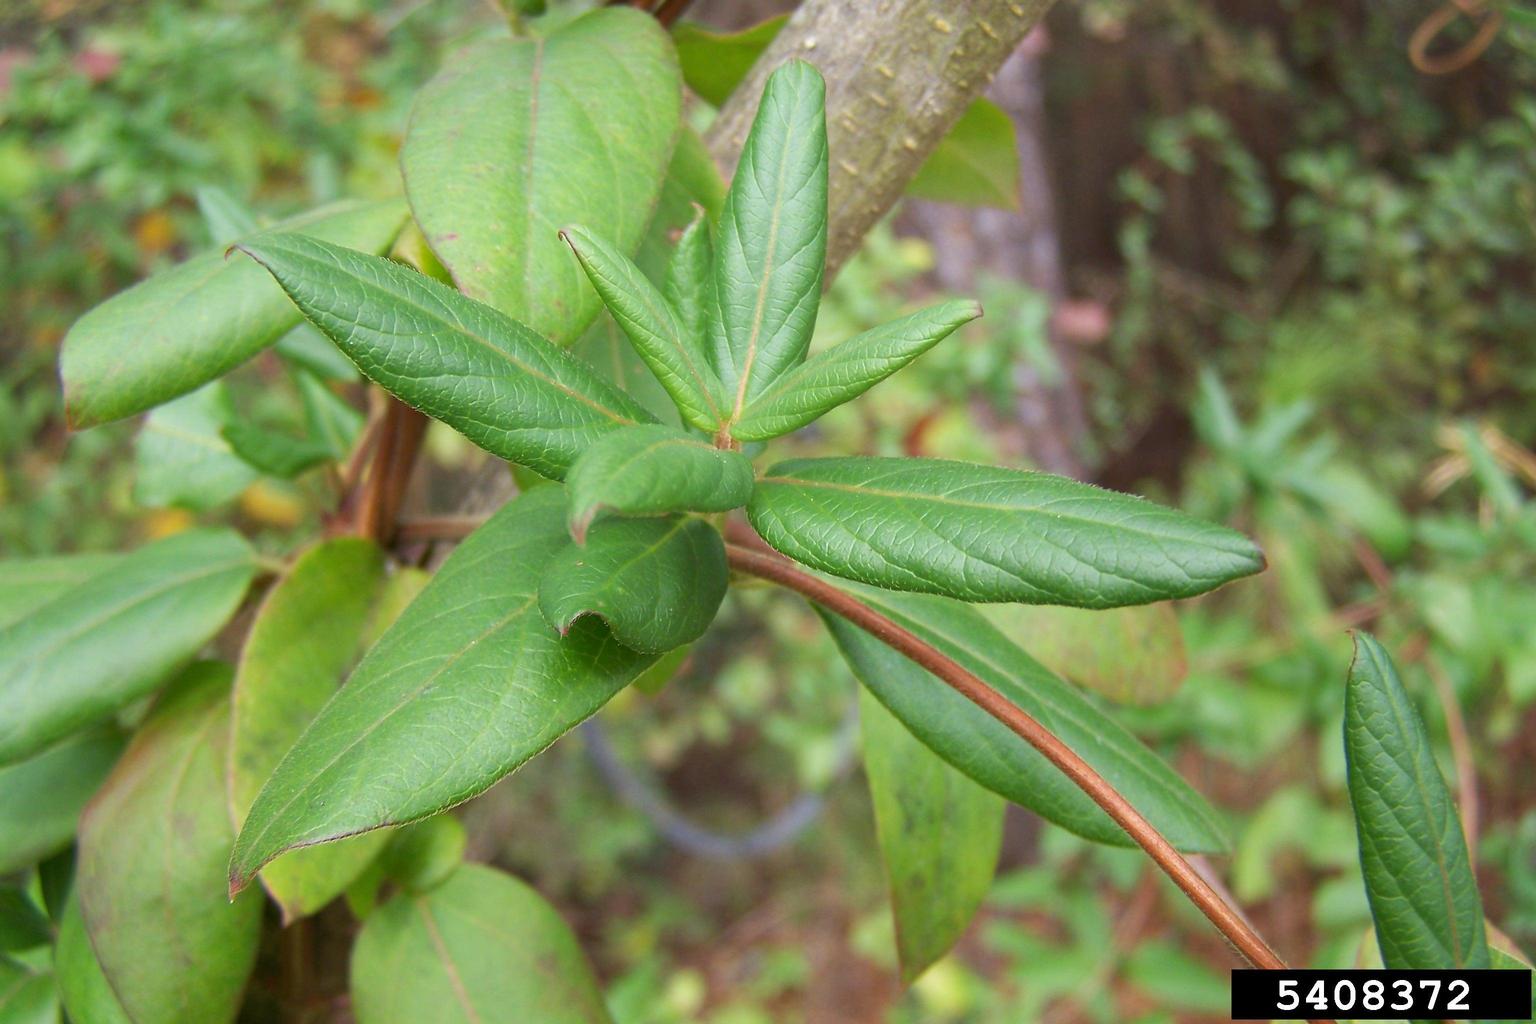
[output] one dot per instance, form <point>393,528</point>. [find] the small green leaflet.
<point>501,385</point>
<point>1414,857</point>
<point>844,372</point>
<point>153,845</point>
<point>991,754</point>
<point>656,582</point>
<point>516,137</point>
<point>481,947</point>
<point>939,835</point>
<point>653,470</point>
<point>689,284</point>
<point>93,649</point>
<point>306,635</point>
<point>183,327</point>
<point>977,163</point>
<point>469,683</point>
<point>181,458</point>
<point>771,246</point>
<point>984,533</point>
<point>675,356</point>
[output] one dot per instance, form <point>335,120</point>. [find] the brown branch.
<point>394,455</point>
<point>452,528</point>
<point>1228,921</point>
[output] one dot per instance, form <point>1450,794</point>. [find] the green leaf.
<point>714,63</point>
<point>470,683</point>
<point>482,947</point>
<point>975,164</point>
<point>332,422</point>
<point>79,658</point>
<point>772,244</point>
<point>31,583</point>
<point>1422,891</point>
<point>41,798</point>
<point>652,471</point>
<point>505,388</point>
<point>689,284</point>
<point>225,216</point>
<point>22,925</point>
<point>153,845</point>
<point>1131,655</point>
<point>656,582</point>
<point>939,835</point>
<point>516,137</point>
<point>274,453</point>
<point>424,855</point>
<point>983,533</point>
<point>306,635</point>
<point>83,988</point>
<point>693,183</point>
<point>181,457</point>
<point>677,358</point>
<point>846,371</point>
<point>26,997</point>
<point>306,348</point>
<point>990,753</point>
<point>167,335</point>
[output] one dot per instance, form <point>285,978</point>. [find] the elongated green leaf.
<point>986,750</point>
<point>153,845</point>
<point>976,163</point>
<point>516,137</point>
<point>772,243</point>
<point>654,470</point>
<point>41,798</point>
<point>182,328</point>
<point>306,348</point>
<point>1421,887</point>
<point>424,855</point>
<point>656,582</point>
<point>273,452</point>
<point>467,685</point>
<point>714,63</point>
<point>31,583</point>
<point>481,372</point>
<point>88,652</point>
<point>83,988</point>
<point>939,834</point>
<point>22,923</point>
<point>26,996</point>
<point>678,359</point>
<point>981,533</point>
<point>483,948</point>
<point>332,423</point>
<point>689,284</point>
<point>1132,655</point>
<point>305,637</point>
<point>693,182</point>
<point>225,216</point>
<point>182,459</point>
<point>846,371</point>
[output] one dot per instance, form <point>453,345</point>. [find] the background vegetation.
<point>1304,269</point>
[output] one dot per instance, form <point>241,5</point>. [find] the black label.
<point>1381,995</point>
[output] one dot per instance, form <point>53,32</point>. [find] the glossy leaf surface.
<point>305,637</point>
<point>93,649</point>
<point>510,391</point>
<point>982,533</point>
<point>845,371</point>
<point>676,357</point>
<point>653,470</point>
<point>516,138</point>
<point>483,948</point>
<point>467,685</point>
<point>657,583</point>
<point>771,245</point>
<point>939,835</point>
<point>192,323</point>
<point>153,845</point>
<point>1417,875</point>
<point>990,753</point>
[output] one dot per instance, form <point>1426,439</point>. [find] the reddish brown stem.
<point>394,455</point>
<point>1227,920</point>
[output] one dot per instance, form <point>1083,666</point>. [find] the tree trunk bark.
<point>899,72</point>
